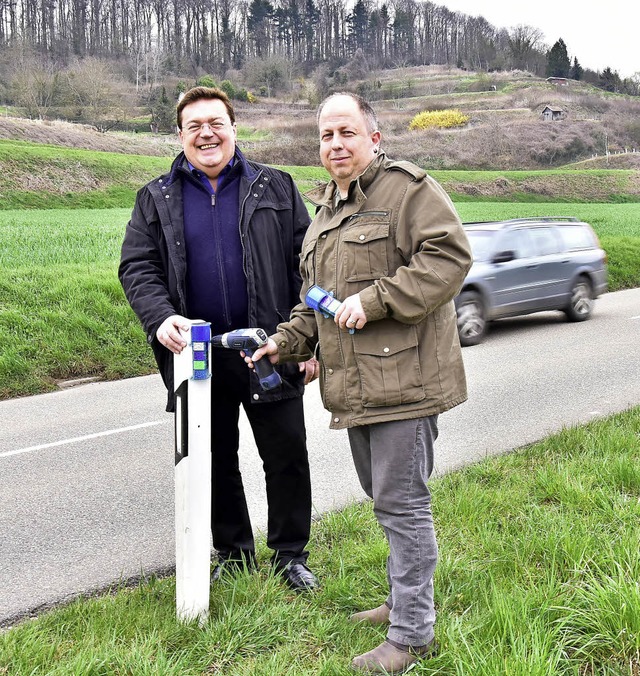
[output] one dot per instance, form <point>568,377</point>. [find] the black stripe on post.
<point>182,414</point>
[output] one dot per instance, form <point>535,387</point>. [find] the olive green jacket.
<point>398,242</point>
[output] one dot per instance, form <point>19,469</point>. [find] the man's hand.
<point>311,370</point>
<point>270,349</point>
<point>168,334</point>
<point>350,314</point>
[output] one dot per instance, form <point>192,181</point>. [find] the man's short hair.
<point>367,111</point>
<point>199,93</point>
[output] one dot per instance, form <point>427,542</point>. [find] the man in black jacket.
<point>218,239</point>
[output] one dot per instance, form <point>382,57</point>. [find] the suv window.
<point>518,241</point>
<point>481,244</point>
<point>545,241</point>
<point>576,237</point>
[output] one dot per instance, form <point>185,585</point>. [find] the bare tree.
<point>35,83</point>
<point>524,42</point>
<point>94,91</point>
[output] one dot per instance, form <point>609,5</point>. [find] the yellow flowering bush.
<point>438,118</point>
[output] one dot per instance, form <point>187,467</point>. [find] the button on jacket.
<point>398,242</point>
<point>272,222</point>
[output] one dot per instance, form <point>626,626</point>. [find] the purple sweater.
<point>216,282</point>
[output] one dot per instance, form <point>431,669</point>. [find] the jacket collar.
<point>325,196</point>
<point>181,164</point>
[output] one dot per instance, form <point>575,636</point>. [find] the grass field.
<point>63,314</point>
<point>538,576</point>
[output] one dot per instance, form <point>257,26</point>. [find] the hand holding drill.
<point>248,341</point>
<point>347,314</point>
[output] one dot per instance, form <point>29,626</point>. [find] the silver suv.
<point>529,265</point>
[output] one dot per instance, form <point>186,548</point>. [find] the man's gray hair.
<point>367,111</point>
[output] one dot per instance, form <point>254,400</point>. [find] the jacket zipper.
<point>244,251</point>
<point>223,281</point>
<point>362,214</point>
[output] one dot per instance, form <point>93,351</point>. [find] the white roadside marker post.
<point>192,378</point>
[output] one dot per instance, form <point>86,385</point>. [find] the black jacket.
<point>273,221</point>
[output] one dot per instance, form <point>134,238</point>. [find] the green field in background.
<point>63,313</point>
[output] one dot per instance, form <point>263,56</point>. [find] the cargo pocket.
<point>365,248</point>
<point>389,364</point>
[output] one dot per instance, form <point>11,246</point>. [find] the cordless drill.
<point>250,340</point>
<point>323,302</point>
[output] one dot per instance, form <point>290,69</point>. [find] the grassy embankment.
<point>539,565</point>
<point>538,576</point>
<point>63,314</point>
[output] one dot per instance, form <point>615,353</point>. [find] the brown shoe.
<point>387,659</point>
<point>379,615</point>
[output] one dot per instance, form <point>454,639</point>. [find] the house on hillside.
<point>550,113</point>
<point>562,81</point>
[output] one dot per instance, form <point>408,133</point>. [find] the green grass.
<point>538,576</point>
<point>63,314</point>
<point>549,186</point>
<point>62,311</point>
<point>307,178</point>
<point>608,220</point>
<point>41,176</point>
<point>252,134</point>
<point>69,178</point>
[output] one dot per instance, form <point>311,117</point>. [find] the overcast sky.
<point>606,33</point>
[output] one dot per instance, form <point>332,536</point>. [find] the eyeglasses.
<point>213,126</point>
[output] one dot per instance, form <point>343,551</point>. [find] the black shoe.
<point>299,577</point>
<point>231,567</point>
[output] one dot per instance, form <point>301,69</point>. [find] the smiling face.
<point>208,136</point>
<point>347,146</point>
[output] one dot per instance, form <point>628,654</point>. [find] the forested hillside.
<point>83,59</point>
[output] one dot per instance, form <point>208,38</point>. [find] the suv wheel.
<point>581,304</point>
<point>472,324</point>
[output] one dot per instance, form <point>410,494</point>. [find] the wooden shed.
<point>550,113</point>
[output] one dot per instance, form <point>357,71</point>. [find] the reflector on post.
<point>192,378</point>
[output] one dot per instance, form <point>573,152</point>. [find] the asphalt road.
<point>86,474</point>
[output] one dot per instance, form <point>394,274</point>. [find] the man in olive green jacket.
<point>387,240</point>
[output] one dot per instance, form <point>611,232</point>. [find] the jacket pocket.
<point>365,247</point>
<point>389,364</point>
<point>307,261</point>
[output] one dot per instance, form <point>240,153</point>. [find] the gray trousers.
<point>394,460</point>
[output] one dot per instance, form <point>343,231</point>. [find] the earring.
<point>375,150</point>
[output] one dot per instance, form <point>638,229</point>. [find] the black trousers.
<point>280,436</point>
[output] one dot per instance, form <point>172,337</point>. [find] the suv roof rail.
<point>544,219</point>
<point>529,219</point>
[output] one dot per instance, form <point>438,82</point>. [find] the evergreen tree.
<point>576,70</point>
<point>358,22</point>
<point>163,111</point>
<point>311,20</point>
<point>558,63</point>
<point>609,80</point>
<point>403,35</point>
<point>385,22</point>
<point>259,25</point>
